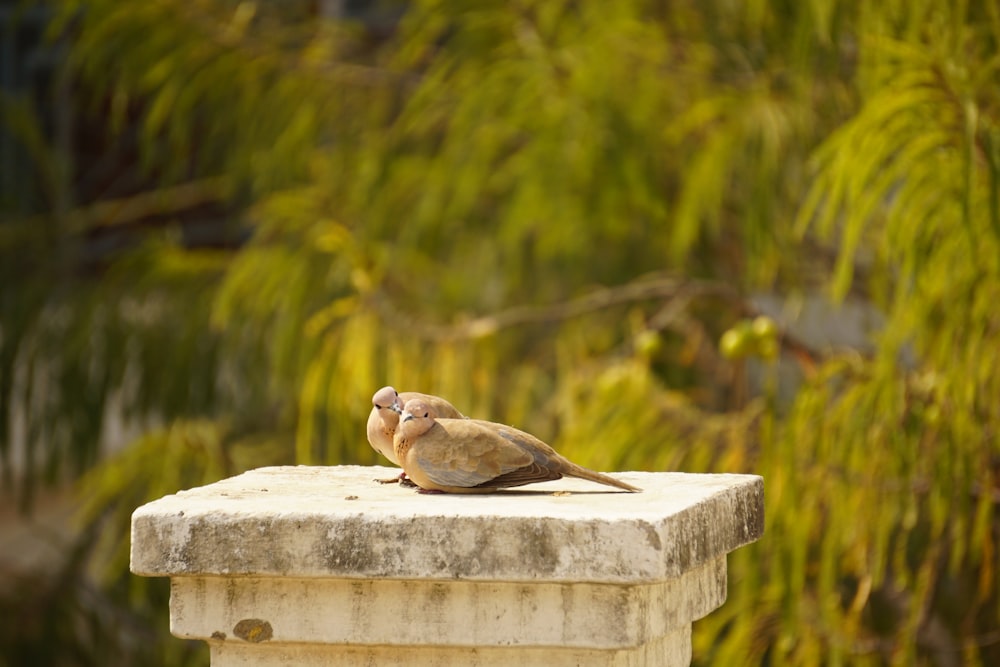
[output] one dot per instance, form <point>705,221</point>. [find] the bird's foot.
<point>402,480</point>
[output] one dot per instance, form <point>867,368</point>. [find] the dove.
<point>387,403</point>
<point>474,456</point>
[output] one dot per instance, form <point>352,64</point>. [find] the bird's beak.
<point>407,416</point>
<point>395,408</point>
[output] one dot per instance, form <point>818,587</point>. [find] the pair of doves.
<point>442,451</point>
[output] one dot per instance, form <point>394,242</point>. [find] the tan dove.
<point>474,456</point>
<point>387,403</point>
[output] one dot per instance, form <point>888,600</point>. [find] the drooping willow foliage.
<point>550,212</point>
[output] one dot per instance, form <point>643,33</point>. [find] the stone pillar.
<point>322,565</point>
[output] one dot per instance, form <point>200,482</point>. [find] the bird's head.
<point>387,398</point>
<point>418,409</point>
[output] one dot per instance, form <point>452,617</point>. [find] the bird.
<point>443,455</point>
<point>387,404</point>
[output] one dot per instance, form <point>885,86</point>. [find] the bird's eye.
<point>426,414</point>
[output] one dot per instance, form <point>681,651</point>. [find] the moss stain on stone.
<point>253,630</point>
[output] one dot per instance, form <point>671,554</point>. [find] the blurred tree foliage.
<point>550,212</point>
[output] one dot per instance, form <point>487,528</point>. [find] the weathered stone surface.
<point>337,522</point>
<point>312,566</point>
<point>456,613</point>
<point>673,650</point>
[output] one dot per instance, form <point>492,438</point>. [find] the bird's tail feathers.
<point>583,473</point>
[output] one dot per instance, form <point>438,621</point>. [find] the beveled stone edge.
<point>556,549</point>
<point>344,611</point>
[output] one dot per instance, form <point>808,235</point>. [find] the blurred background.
<point>701,235</point>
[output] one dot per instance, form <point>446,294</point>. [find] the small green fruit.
<point>767,348</point>
<point>764,327</point>
<point>734,344</point>
<point>647,343</point>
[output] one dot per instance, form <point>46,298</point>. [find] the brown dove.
<point>387,403</point>
<point>474,456</point>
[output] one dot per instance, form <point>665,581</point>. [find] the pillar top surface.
<point>312,521</point>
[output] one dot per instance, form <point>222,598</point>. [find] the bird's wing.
<point>463,453</point>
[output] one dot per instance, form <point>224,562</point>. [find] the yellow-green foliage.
<point>550,212</point>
